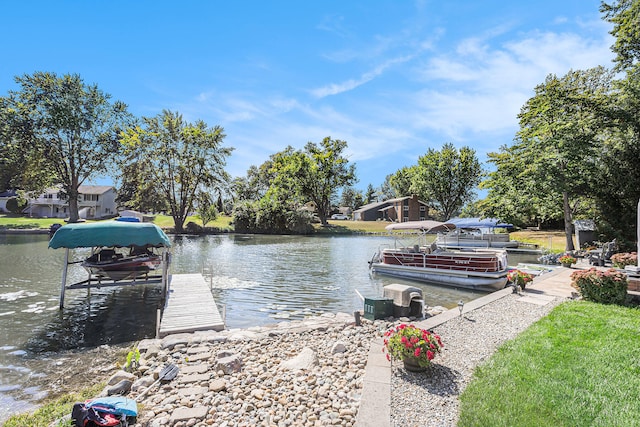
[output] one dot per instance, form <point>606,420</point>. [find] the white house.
<point>94,201</point>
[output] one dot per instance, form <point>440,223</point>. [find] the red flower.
<point>430,355</point>
<point>417,352</point>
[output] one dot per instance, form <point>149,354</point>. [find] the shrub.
<point>607,287</point>
<point>623,259</point>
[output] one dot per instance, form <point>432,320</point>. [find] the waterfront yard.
<point>578,366</point>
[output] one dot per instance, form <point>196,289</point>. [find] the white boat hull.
<point>458,279</point>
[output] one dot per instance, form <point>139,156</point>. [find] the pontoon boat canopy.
<point>109,233</point>
<point>479,223</point>
<point>427,226</point>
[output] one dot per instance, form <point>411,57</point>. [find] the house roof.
<point>94,189</point>
<point>380,205</point>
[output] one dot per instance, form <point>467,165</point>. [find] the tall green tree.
<point>619,174</point>
<point>182,159</point>
<point>315,174</point>
<point>66,130</point>
<point>401,183</point>
<point>625,17</point>
<point>447,177</point>
<point>553,164</point>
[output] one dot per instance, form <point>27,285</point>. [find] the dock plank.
<point>189,307</point>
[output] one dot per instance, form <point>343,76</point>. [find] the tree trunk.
<point>568,228</point>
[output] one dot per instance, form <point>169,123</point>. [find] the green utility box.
<point>377,308</point>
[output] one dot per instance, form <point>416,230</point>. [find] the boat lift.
<point>111,234</point>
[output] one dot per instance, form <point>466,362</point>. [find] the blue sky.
<point>392,78</point>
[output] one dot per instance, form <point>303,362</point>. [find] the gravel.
<point>431,398</point>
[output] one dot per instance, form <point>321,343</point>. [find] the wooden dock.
<point>189,307</point>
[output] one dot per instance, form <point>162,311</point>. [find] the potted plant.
<point>566,260</point>
<point>519,278</point>
<point>414,346</point>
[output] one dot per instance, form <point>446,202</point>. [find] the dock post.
<point>64,278</point>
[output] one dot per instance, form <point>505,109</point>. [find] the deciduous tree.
<point>65,130</point>
<point>182,159</point>
<point>447,177</point>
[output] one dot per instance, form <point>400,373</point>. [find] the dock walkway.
<point>189,307</point>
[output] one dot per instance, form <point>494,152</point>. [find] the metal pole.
<point>64,278</point>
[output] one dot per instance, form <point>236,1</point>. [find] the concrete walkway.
<point>375,405</point>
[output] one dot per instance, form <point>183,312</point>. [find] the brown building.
<point>402,209</point>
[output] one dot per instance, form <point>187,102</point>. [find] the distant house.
<point>402,209</point>
<point>94,202</point>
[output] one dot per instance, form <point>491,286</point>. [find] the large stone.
<point>229,364</point>
<point>119,376</point>
<point>307,359</point>
<point>185,414</point>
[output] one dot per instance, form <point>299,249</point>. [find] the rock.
<point>307,359</point>
<point>229,364</point>
<point>119,376</point>
<point>217,385</point>
<point>122,387</point>
<point>338,347</point>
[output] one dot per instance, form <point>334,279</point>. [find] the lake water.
<point>257,279</point>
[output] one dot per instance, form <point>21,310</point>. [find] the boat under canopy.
<point>118,269</point>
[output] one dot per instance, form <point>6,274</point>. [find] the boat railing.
<point>475,262</point>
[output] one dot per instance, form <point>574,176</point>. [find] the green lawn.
<point>579,366</point>
<point>22,222</point>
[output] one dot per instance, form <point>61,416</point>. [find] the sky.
<point>391,78</point>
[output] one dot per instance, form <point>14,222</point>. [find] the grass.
<point>54,410</point>
<point>9,221</point>
<point>578,366</point>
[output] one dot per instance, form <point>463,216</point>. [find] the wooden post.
<point>63,287</point>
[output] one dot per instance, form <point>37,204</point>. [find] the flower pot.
<point>411,364</point>
<point>566,264</point>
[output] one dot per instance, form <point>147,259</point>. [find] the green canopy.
<point>109,233</point>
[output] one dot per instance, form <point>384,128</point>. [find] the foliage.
<point>401,184</point>
<point>352,198</point>
<point>133,360</point>
<point>567,259</point>
<point>575,367</point>
<point>624,15</point>
<point>181,159</point>
<point>607,287</point>
<point>518,277</point>
<point>622,259</point>
<point>315,174</point>
<point>67,130</point>
<point>447,177</point>
<point>270,217</point>
<point>408,341</point>
<point>16,205</point>
<point>556,151</point>
<point>54,410</point>
<point>207,210</point>
<point>137,192</point>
